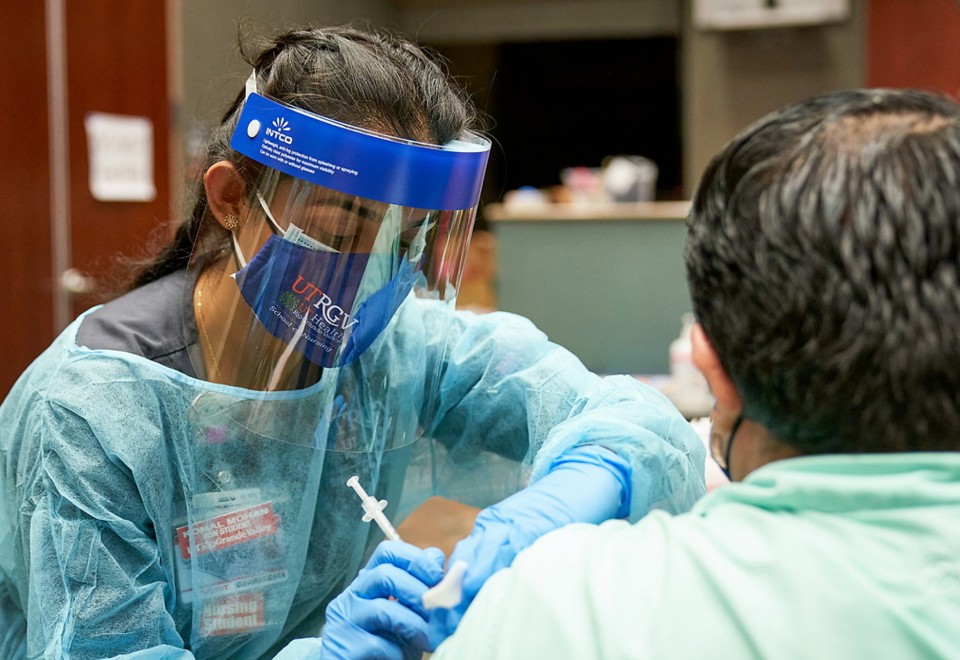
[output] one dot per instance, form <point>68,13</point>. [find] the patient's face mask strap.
<point>724,461</point>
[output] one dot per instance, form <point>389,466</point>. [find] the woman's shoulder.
<point>153,321</point>
<point>69,373</point>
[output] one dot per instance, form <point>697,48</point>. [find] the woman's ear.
<point>226,193</point>
<point>706,360</point>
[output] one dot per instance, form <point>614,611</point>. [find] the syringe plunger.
<point>373,509</point>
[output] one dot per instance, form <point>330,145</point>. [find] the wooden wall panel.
<point>113,56</point>
<point>116,63</point>
<point>25,257</point>
<point>914,44</point>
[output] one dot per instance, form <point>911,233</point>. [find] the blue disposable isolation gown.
<point>144,509</point>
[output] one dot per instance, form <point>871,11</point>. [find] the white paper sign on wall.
<point>752,14</point>
<point>120,149</point>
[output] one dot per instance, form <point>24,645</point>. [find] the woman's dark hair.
<point>823,258</point>
<point>370,79</point>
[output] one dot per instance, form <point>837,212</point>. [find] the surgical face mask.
<point>326,305</point>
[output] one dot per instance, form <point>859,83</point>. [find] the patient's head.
<point>823,260</point>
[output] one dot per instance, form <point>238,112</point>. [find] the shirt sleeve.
<point>506,389</point>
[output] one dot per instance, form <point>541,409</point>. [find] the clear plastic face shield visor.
<point>340,228</point>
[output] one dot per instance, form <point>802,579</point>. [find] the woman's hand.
<point>381,614</point>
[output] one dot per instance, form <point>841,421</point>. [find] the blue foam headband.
<point>356,162</point>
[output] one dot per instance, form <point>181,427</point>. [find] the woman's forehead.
<point>310,195</point>
<point>291,191</point>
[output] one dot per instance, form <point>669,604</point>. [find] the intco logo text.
<point>280,125</point>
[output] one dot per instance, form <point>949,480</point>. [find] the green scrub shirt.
<point>818,557</point>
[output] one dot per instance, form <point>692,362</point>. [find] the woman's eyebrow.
<point>361,210</point>
<point>375,214</point>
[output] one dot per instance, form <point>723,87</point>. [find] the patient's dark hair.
<point>823,259</point>
<point>371,79</point>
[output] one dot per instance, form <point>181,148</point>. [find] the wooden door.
<point>117,64</point>
<point>914,44</point>
<point>64,59</point>
<point>25,260</point>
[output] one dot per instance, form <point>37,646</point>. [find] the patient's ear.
<point>706,360</point>
<point>226,193</point>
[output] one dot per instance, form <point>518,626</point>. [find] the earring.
<point>230,221</point>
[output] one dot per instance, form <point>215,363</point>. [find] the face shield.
<point>341,226</point>
<point>322,328</point>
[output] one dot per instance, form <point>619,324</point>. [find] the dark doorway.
<point>561,104</point>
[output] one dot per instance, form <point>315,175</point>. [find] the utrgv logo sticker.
<point>280,125</point>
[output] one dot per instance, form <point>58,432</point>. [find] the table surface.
<point>438,523</point>
<point>587,211</point>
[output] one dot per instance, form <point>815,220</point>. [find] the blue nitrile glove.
<point>363,621</point>
<point>587,483</point>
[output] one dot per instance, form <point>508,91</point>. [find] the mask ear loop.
<point>271,221</point>
<point>236,251</point>
<point>733,432</point>
<point>274,225</point>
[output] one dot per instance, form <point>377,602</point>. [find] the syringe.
<point>373,510</point>
<point>449,591</point>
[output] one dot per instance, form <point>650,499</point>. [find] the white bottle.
<point>688,387</point>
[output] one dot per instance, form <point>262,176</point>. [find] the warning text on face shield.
<point>291,158</point>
